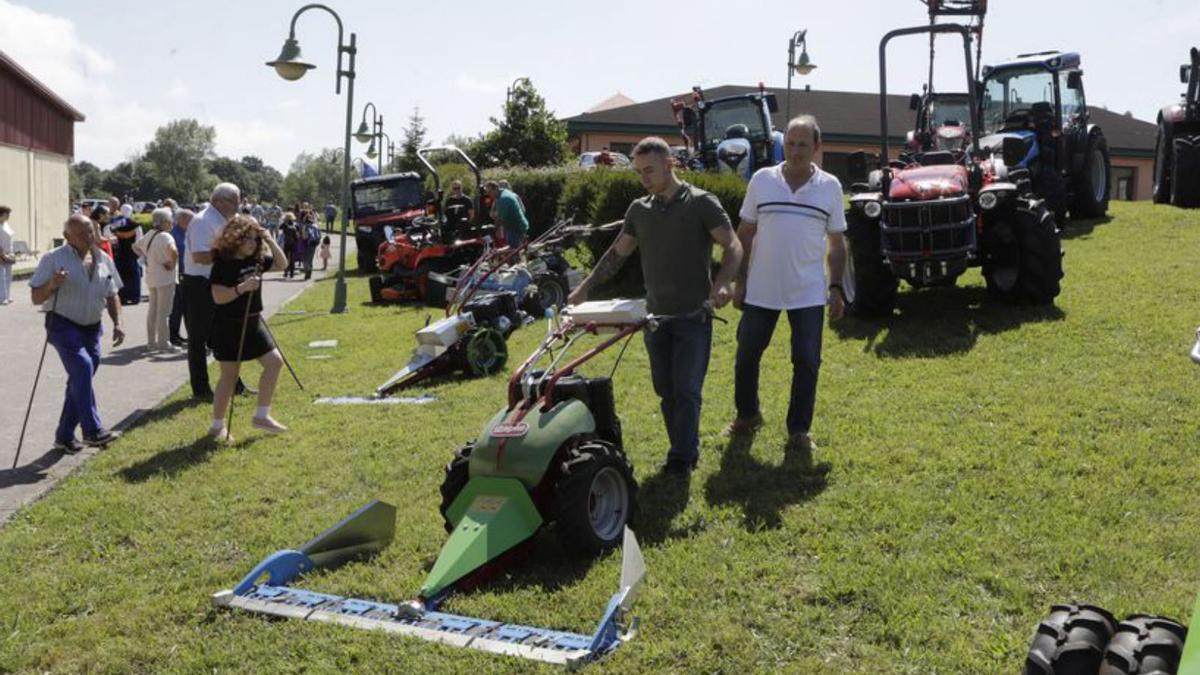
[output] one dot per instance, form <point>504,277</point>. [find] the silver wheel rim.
<point>484,352</point>
<point>608,501</point>
<point>550,294</point>
<point>1099,175</point>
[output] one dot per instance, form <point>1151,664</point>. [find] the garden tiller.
<point>552,454</point>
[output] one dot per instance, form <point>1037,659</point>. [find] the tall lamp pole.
<point>801,66</point>
<point>372,134</point>
<point>291,66</point>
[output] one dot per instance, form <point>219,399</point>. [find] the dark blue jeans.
<point>79,348</point>
<point>679,350</point>
<point>753,336</point>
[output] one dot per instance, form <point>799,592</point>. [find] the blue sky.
<point>132,65</point>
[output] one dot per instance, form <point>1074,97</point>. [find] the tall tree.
<point>177,158</point>
<point>86,180</point>
<point>316,179</point>
<point>529,134</point>
<point>414,139</point>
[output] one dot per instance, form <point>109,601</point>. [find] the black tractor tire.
<point>1091,200</point>
<point>875,286</point>
<point>1145,645</point>
<point>552,290</point>
<point>1070,641</point>
<point>1185,171</point>
<point>595,497</point>
<point>375,284</point>
<point>1163,160</point>
<point>484,351</point>
<point>455,479</point>
<point>1024,240</point>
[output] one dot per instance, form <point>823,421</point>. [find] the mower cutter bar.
<point>538,644</point>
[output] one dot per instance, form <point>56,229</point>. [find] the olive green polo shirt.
<point>675,239</point>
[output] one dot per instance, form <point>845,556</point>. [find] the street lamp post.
<point>512,88</point>
<point>290,66</point>
<point>373,134</point>
<point>801,67</point>
<point>386,152</point>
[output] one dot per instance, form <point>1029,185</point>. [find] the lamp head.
<point>289,63</point>
<point>371,152</point>
<point>363,134</point>
<point>803,65</point>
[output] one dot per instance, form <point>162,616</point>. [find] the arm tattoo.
<point>610,263</point>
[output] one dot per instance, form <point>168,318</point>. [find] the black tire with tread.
<point>1145,645</point>
<point>875,286</point>
<point>1070,641</point>
<point>552,290</point>
<point>1084,204</point>
<point>1036,252</point>
<point>1185,171</point>
<point>455,479</point>
<point>1162,164</point>
<point>572,492</point>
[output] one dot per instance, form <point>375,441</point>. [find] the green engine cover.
<point>529,445</point>
<point>1190,663</point>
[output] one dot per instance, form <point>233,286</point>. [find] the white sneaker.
<point>268,425</point>
<point>220,435</point>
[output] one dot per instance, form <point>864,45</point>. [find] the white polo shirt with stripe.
<point>787,260</point>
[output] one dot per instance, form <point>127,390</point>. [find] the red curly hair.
<point>237,231</point>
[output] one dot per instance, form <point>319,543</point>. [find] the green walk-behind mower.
<point>552,455</point>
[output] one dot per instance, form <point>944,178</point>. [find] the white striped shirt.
<point>82,296</point>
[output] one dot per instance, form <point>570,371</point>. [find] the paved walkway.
<point>157,376</point>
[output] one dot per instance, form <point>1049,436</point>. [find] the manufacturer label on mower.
<point>504,430</point>
<point>487,504</point>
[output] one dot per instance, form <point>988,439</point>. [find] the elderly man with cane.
<point>75,285</point>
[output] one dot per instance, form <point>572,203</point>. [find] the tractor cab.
<point>731,134</point>
<point>943,123</point>
<point>381,206</point>
<point>1035,104</point>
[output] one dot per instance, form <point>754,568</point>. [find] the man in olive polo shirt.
<point>674,227</point>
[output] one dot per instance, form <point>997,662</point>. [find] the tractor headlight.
<point>988,200</point>
<point>872,209</point>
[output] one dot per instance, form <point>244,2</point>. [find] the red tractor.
<point>383,205</point>
<point>429,243</point>
<point>929,215</point>
<point>1177,152</point>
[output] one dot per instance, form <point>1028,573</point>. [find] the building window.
<point>1124,183</point>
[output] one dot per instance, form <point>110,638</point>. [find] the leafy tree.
<point>529,134</point>
<point>414,139</point>
<point>176,159</point>
<point>316,179</point>
<point>86,180</point>
<point>120,180</point>
<point>228,170</point>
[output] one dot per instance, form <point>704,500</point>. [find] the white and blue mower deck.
<point>276,598</point>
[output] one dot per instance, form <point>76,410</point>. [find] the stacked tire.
<point>1083,639</point>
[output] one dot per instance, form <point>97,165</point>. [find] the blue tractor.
<point>1033,111</point>
<point>731,134</point>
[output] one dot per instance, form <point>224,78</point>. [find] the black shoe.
<point>178,341</point>
<point>101,438</point>
<point>71,447</point>
<point>243,389</point>
<point>677,467</point>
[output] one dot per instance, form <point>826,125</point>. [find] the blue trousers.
<point>79,348</point>
<point>679,350</point>
<point>753,336</point>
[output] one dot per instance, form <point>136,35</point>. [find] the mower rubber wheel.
<point>532,305</point>
<point>1163,159</point>
<point>595,497</point>
<point>454,481</point>
<point>1144,645</point>
<point>485,351</point>
<point>552,290</point>
<point>875,286</point>
<point>1093,184</point>
<point>1070,641</point>
<point>1185,171</point>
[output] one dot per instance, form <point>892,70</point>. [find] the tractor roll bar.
<point>883,104</point>
<point>437,181</point>
<point>1192,99</point>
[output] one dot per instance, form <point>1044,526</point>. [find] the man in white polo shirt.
<point>790,213</point>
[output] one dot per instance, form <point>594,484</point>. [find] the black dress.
<point>227,322</point>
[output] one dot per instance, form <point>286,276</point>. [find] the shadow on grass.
<point>149,415</point>
<point>940,321</point>
<point>1082,228</point>
<point>176,460</point>
<point>660,497</point>
<point>762,490</point>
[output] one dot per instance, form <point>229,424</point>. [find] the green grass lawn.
<point>988,461</point>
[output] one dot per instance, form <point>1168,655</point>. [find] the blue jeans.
<point>753,336</point>
<point>79,348</point>
<point>679,350</point>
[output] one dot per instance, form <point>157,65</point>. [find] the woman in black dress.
<point>241,253</point>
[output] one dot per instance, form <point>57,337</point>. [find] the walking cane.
<point>281,354</point>
<point>241,346</point>
<point>36,377</point>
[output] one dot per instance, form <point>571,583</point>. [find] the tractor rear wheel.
<point>454,481</point>
<point>874,284</point>
<point>484,351</point>
<point>1162,164</point>
<point>1185,171</point>
<point>1093,183</point>
<point>1070,641</point>
<point>595,497</point>
<point>1143,645</point>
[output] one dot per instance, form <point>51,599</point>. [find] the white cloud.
<point>288,104</point>
<point>236,138</point>
<point>474,85</point>
<point>178,91</point>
